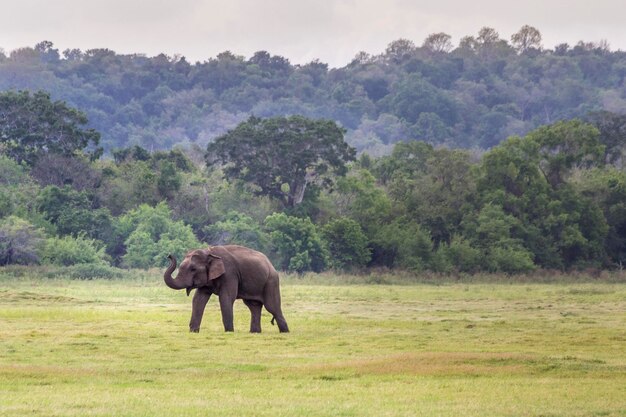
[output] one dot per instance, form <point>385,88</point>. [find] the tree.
<point>68,250</point>
<point>296,243</point>
<point>20,241</point>
<point>73,213</point>
<point>529,179</point>
<point>360,199</point>
<point>528,37</point>
<point>59,170</point>
<point>32,124</point>
<point>501,251</point>
<point>437,199</point>
<point>347,243</point>
<point>564,146</point>
<point>282,156</point>
<point>612,129</point>
<point>487,36</point>
<point>402,244</point>
<point>399,50</point>
<point>150,235</point>
<point>414,95</point>
<point>607,188</point>
<point>237,229</point>
<point>438,42</point>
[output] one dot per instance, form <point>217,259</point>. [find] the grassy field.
<point>121,348</point>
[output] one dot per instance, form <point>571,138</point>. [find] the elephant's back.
<point>252,269</point>
<point>243,254</point>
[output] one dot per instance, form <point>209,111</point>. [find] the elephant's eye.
<point>192,269</point>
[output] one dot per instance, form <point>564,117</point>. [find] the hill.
<point>473,95</point>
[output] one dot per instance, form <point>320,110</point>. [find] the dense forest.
<point>493,156</point>
<point>473,95</point>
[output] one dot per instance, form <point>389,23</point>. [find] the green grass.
<point>121,348</point>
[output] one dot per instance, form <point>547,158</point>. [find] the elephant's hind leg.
<point>276,311</point>
<point>255,315</point>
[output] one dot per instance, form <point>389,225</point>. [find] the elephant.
<point>230,272</point>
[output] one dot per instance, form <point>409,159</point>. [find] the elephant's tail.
<point>273,318</point>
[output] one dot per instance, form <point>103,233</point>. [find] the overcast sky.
<point>333,31</point>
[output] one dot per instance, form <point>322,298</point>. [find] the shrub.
<point>91,271</point>
<point>152,235</point>
<point>20,241</point>
<point>68,250</point>
<point>237,229</point>
<point>296,244</point>
<point>461,255</point>
<point>509,259</point>
<point>347,244</point>
<point>403,244</point>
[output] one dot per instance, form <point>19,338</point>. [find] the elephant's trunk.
<point>167,276</point>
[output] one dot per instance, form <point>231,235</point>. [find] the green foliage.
<point>17,189</point>
<point>607,188</point>
<point>129,185</point>
<point>512,259</point>
<point>360,198</point>
<point>91,271</point>
<point>6,205</point>
<point>31,124</point>
<point>296,244</point>
<point>136,153</point>
<point>564,146</point>
<point>347,244</point>
<point>473,95</point>
<point>237,229</point>
<point>283,156</point>
<point>414,97</point>
<point>11,172</point>
<point>72,213</point>
<point>433,186</point>
<point>461,256</point>
<point>542,198</point>
<point>403,244</point>
<point>612,129</point>
<point>528,178</point>
<point>169,180</point>
<point>150,235</point>
<point>69,250</point>
<point>20,241</point>
<point>138,176</point>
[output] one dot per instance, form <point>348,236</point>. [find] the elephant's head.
<point>198,269</point>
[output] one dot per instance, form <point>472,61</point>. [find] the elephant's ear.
<point>216,267</point>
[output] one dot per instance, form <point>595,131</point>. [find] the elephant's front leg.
<point>200,299</point>
<point>226,305</point>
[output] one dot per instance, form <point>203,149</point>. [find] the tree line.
<point>291,186</point>
<point>471,95</point>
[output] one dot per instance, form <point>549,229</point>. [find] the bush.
<point>20,241</point>
<point>403,244</point>
<point>296,244</point>
<point>509,260</point>
<point>461,255</point>
<point>73,213</point>
<point>347,244</point>
<point>68,250</point>
<point>152,235</point>
<point>237,229</point>
<point>92,271</point>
